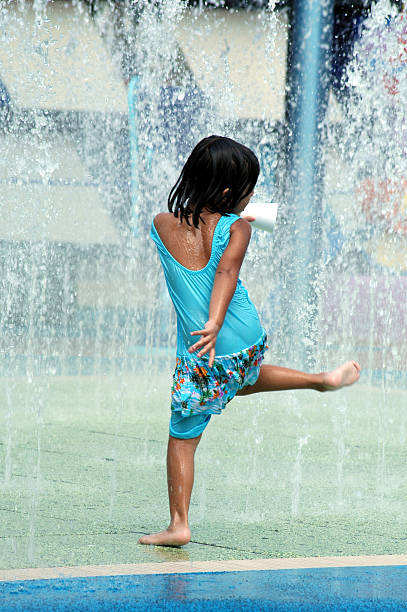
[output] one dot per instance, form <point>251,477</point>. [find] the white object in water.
<point>265,214</point>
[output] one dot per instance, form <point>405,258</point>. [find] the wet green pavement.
<point>82,473</point>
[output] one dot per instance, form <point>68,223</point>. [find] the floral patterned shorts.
<point>199,389</point>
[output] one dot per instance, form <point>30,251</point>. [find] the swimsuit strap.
<point>222,233</point>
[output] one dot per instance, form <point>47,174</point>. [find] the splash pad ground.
<point>273,478</point>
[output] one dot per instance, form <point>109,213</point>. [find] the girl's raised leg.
<point>180,477</point>
<point>276,378</point>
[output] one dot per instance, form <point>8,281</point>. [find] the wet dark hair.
<point>215,164</point>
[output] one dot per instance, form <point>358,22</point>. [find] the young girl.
<point>202,242</point>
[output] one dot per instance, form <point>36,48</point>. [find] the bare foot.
<point>173,536</point>
<point>347,374</point>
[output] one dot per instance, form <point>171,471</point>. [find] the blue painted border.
<point>346,588</point>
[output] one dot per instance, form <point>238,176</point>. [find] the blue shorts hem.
<point>187,427</point>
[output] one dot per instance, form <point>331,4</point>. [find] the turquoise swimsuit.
<point>199,391</point>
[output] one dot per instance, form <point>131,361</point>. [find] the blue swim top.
<point>190,292</point>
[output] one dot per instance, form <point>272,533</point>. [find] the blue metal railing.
<point>306,102</point>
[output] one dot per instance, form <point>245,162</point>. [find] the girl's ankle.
<point>319,384</point>
<point>178,525</point>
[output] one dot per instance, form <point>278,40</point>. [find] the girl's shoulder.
<point>239,223</point>
<point>164,223</point>
<point>163,219</point>
<point>234,224</point>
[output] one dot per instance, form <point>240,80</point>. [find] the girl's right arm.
<point>224,287</point>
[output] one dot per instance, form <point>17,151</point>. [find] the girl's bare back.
<point>189,245</point>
